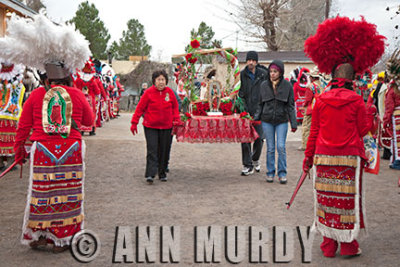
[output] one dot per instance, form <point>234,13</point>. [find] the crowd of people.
<point>335,120</point>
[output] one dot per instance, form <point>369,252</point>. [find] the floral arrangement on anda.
<point>187,75</point>
<point>191,75</point>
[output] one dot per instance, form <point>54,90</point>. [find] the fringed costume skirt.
<point>54,207</point>
<point>339,201</point>
<point>8,129</point>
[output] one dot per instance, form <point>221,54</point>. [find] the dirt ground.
<point>204,189</point>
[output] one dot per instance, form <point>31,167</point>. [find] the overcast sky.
<point>167,24</point>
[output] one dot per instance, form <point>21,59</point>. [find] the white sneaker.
<point>270,179</point>
<point>247,171</point>
<point>257,166</point>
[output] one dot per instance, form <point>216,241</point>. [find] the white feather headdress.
<point>38,41</point>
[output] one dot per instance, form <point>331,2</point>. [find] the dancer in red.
<point>86,82</point>
<point>54,208</point>
<point>391,119</point>
<point>339,122</point>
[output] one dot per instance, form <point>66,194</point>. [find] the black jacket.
<point>279,108</point>
<point>250,90</point>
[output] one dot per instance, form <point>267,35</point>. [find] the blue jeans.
<point>281,133</point>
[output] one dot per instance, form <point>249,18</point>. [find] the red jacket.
<point>160,108</point>
<point>338,125</point>
<point>94,90</point>
<point>31,116</point>
<point>310,94</point>
<point>299,92</point>
<point>392,101</point>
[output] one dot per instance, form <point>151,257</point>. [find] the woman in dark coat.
<point>275,109</point>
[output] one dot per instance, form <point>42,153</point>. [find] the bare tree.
<point>280,24</point>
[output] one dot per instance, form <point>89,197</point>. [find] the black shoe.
<point>386,154</point>
<point>394,167</point>
<point>92,133</point>
<point>149,180</point>
<point>247,171</point>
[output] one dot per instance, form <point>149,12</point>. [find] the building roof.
<point>19,7</point>
<point>269,56</point>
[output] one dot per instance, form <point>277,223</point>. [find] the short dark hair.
<point>157,74</point>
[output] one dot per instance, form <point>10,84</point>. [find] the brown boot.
<point>59,249</point>
<point>39,244</point>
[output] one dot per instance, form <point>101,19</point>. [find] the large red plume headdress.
<point>343,40</point>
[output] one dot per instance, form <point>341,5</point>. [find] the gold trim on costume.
<point>347,218</point>
<point>335,160</point>
<point>52,176</point>
<point>52,200</point>
<point>321,213</point>
<point>335,188</point>
<point>396,112</point>
<point>62,166</point>
<point>47,224</point>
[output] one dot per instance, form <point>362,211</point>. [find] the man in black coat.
<point>251,77</point>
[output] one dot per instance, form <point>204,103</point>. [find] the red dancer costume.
<point>11,96</point>
<point>86,82</point>
<point>299,90</point>
<point>313,90</point>
<point>100,118</point>
<point>339,121</point>
<point>121,89</point>
<point>391,119</point>
<point>54,208</point>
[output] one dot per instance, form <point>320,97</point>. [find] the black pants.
<point>158,143</point>
<point>249,155</point>
<point>169,151</point>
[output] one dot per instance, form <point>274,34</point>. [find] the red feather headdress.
<point>343,40</point>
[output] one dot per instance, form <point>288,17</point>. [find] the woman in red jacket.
<point>160,109</point>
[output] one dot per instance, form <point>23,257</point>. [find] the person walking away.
<point>53,114</point>
<point>340,120</point>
